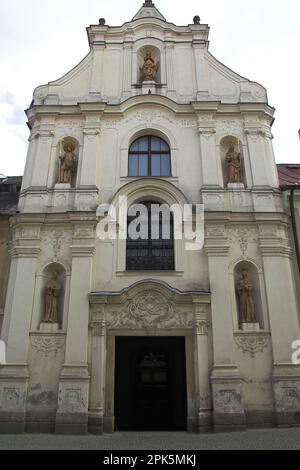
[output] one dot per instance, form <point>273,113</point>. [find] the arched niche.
<point>253,278</point>
<point>231,171</point>
<point>67,161</point>
<point>155,55</point>
<point>57,272</point>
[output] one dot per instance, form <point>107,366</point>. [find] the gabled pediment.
<point>148,10</point>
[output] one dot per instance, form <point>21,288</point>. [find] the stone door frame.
<point>148,308</point>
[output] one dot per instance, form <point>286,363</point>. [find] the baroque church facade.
<point>113,334</point>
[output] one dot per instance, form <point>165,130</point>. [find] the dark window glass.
<point>134,165</point>
<point>165,165</point>
<point>143,165</point>
<point>151,254</point>
<point>155,165</point>
<point>149,156</point>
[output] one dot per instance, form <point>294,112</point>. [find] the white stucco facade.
<point>61,377</point>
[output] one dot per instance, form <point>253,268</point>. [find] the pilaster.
<point>98,369</point>
<point>73,397</point>
<point>171,93</point>
<point>42,161</point>
<point>201,70</point>
<point>91,133</point>
<point>211,166</point>
<point>202,369</point>
<point>225,380</point>
<point>284,322</point>
<point>127,66</point>
<point>259,168</point>
<point>14,376</point>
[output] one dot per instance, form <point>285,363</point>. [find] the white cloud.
<point>41,40</point>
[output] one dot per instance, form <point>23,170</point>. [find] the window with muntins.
<point>149,156</point>
<point>148,254</point>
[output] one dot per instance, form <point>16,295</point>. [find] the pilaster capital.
<point>199,44</point>
<point>128,44</point>
<point>169,45</point>
<point>254,131</point>
<point>269,250</point>
<point>25,252</point>
<point>201,323</point>
<point>98,328</point>
<point>207,132</point>
<point>82,251</point>
<point>216,250</point>
<point>45,134</point>
<point>91,132</point>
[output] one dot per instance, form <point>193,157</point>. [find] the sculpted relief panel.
<point>59,240</point>
<point>149,310</point>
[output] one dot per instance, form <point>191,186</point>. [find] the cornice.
<point>205,110</point>
<point>25,252</point>
<point>109,33</point>
<point>82,251</point>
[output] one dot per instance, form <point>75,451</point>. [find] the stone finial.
<point>148,3</point>
<point>196,19</point>
<point>102,21</point>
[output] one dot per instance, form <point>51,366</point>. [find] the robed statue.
<point>68,164</point>
<point>52,293</point>
<point>233,160</point>
<point>149,69</point>
<point>245,291</point>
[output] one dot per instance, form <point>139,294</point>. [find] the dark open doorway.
<point>150,383</point>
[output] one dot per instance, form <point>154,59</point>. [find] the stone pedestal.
<point>62,186</point>
<point>13,392</point>
<point>72,413</point>
<point>250,327</point>
<point>229,414</point>
<point>148,86</point>
<point>49,327</point>
<point>236,186</point>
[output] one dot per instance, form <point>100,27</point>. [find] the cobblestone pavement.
<point>253,439</point>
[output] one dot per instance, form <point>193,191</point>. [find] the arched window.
<point>149,156</point>
<point>154,250</point>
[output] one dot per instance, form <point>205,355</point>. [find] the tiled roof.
<point>289,174</point>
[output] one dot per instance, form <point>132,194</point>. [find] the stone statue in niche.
<point>52,293</point>
<point>233,160</point>
<point>149,69</point>
<point>68,164</point>
<point>245,291</point>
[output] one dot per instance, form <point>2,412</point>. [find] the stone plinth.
<point>250,327</point>
<point>62,186</point>
<point>49,327</point>
<point>236,186</point>
<point>148,85</point>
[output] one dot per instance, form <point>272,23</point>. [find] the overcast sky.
<point>40,40</point>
